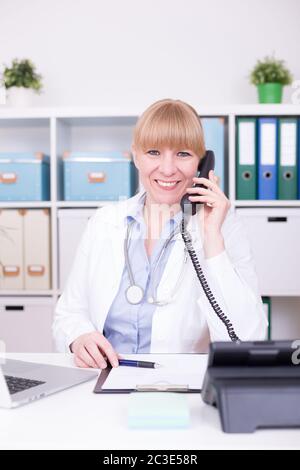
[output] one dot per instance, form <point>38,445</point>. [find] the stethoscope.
<point>135,293</point>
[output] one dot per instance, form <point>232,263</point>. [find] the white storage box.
<point>71,224</point>
<point>274,238</point>
<point>25,324</point>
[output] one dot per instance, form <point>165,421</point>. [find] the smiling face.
<point>167,146</point>
<point>166,173</point>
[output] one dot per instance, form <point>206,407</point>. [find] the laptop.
<point>22,382</point>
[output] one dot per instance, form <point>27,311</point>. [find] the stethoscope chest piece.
<point>134,294</point>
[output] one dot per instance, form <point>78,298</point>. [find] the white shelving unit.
<point>55,130</point>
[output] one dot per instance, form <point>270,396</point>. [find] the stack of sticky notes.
<point>151,410</point>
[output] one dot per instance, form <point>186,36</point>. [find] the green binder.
<point>267,304</point>
<point>246,158</point>
<point>287,163</point>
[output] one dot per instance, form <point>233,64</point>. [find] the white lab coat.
<point>188,323</point>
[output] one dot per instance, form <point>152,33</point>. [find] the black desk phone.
<point>254,384</point>
<point>206,164</point>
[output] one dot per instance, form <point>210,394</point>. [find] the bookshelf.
<point>54,130</point>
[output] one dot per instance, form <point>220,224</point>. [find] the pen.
<point>132,363</point>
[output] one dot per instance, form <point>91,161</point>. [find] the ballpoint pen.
<point>136,363</point>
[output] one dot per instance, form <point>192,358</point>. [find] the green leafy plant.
<point>22,74</point>
<point>270,70</point>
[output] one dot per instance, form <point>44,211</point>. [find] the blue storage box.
<point>24,176</point>
<point>93,176</point>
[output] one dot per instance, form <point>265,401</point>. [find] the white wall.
<point>132,52</point>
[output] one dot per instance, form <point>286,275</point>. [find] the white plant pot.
<point>19,96</point>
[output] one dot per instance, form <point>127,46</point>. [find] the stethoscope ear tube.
<point>134,293</point>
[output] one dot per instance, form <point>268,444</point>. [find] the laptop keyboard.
<point>18,384</point>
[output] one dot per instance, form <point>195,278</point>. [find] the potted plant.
<point>270,75</point>
<point>20,81</point>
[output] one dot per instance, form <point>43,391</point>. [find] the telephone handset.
<point>206,164</point>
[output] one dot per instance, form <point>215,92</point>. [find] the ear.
<point>133,151</point>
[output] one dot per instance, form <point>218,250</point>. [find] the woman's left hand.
<point>219,204</point>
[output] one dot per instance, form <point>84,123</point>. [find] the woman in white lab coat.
<point>132,287</point>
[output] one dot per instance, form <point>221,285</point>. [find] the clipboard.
<point>156,387</point>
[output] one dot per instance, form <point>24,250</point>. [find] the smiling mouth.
<point>167,184</point>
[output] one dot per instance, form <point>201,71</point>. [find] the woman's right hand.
<point>92,350</point>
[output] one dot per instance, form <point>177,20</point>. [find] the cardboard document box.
<point>11,249</point>
<point>36,249</point>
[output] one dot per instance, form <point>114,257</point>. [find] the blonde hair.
<point>169,123</point>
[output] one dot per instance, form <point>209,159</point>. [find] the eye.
<point>153,152</point>
<point>184,154</point>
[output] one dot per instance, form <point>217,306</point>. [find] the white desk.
<point>79,419</point>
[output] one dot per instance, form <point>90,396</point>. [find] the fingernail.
<point>115,363</point>
<point>103,365</point>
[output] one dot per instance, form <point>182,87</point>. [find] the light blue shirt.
<point>128,327</point>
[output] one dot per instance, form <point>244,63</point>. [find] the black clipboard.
<point>162,387</point>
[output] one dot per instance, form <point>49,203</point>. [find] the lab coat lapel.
<point>114,263</point>
<point>172,269</point>
<point>118,237</point>
<point>174,264</point>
